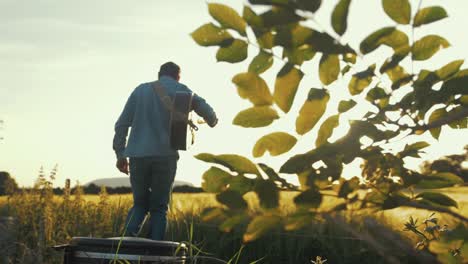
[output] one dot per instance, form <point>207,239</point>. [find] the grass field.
<point>103,216</point>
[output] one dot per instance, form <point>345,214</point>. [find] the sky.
<point>68,67</point>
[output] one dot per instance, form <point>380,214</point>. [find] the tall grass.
<point>43,220</point>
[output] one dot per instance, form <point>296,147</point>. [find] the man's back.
<point>149,119</point>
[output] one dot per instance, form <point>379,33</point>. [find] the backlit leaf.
<point>276,143</point>
<point>398,10</point>
<point>344,106</point>
<point>232,199</point>
<point>329,68</point>
<point>312,110</point>
<point>286,84</point>
<point>310,198</point>
<point>241,184</point>
<point>233,162</point>
<point>261,225</point>
<point>439,180</point>
<point>267,193</point>
<point>279,16</point>
<point>340,17</point>
<point>227,17</point>
<point>236,51</point>
<point>413,149</point>
<point>326,129</point>
<point>436,115</point>
<point>309,5</point>
<point>253,87</point>
<point>437,198</point>
<point>361,80</point>
<point>429,14</point>
<point>210,35</point>
<point>300,54</point>
<point>215,180</point>
<point>426,47</point>
<point>262,62</point>
<point>230,223</point>
<point>450,69</point>
<point>456,84</point>
<point>388,36</point>
<point>251,17</point>
<point>258,116</point>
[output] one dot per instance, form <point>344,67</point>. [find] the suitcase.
<point>126,250</point>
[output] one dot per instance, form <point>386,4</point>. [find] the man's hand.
<point>122,165</point>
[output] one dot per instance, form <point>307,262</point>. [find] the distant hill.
<point>125,182</point>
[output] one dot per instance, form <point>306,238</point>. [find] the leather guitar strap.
<point>167,102</point>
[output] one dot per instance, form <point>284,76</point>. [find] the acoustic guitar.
<point>179,121</point>
<point>179,109</point>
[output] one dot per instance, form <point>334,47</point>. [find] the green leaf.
<point>261,225</point>
<point>426,47</point>
<point>344,106</point>
<point>428,15</point>
<point>389,36</point>
<point>262,62</point>
<point>254,20</point>
<point>376,93</point>
<point>272,175</point>
<point>309,5</point>
<point>361,80</point>
<point>329,68</point>
<point>310,198</point>
<point>213,214</point>
<point>253,87</point>
<point>437,198</point>
<point>326,129</point>
<point>398,10</point>
<point>241,184</point>
<point>299,220</point>
<point>398,76</point>
<point>279,16</point>
<point>312,110</point>
<point>258,116</point>
<point>436,115</point>
<point>210,35</point>
<point>347,186</point>
<point>286,84</point>
<point>215,180</point>
<point>232,199</point>
<point>456,84</point>
<point>413,149</point>
<point>449,70</point>
<point>227,17</point>
<point>233,162</point>
<point>340,17</point>
<point>439,180</point>
<point>233,221</point>
<point>236,51</point>
<point>298,55</point>
<point>276,143</point>
<point>267,193</point>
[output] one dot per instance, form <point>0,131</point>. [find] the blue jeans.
<point>151,179</point>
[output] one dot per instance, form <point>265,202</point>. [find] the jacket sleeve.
<point>203,109</point>
<point>122,125</point>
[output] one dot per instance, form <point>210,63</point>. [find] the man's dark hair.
<point>170,69</point>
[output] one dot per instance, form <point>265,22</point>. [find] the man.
<point>153,162</point>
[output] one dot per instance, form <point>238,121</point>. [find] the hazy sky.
<point>67,68</point>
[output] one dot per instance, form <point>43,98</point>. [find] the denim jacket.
<point>148,118</point>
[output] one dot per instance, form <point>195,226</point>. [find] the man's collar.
<point>165,77</point>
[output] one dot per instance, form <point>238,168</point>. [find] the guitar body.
<point>182,105</point>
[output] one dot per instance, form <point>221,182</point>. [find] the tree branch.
<point>437,209</point>
<point>449,118</point>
